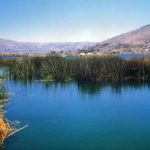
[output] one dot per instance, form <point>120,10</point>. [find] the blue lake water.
<point>13,57</point>
<point>133,56</point>
<point>79,117</point>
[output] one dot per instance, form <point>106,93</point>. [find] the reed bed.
<point>3,93</point>
<point>82,69</point>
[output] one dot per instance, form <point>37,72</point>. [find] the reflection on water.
<point>2,147</point>
<point>77,116</point>
<point>90,88</point>
<point>93,88</point>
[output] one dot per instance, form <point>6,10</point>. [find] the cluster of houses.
<point>89,53</point>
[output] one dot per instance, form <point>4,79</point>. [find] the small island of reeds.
<point>80,69</point>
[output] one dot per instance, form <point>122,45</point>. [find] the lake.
<point>133,56</point>
<point>75,116</point>
<point>13,57</point>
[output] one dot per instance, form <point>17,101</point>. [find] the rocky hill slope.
<point>137,41</point>
<point>14,47</point>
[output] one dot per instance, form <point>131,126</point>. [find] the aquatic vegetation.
<point>3,93</point>
<point>5,129</point>
<point>82,69</point>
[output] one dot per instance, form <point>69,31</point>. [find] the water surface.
<point>133,56</point>
<point>79,117</point>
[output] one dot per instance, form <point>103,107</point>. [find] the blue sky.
<point>70,20</point>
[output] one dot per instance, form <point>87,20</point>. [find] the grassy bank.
<point>83,69</point>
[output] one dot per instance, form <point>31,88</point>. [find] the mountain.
<point>14,47</point>
<point>137,41</point>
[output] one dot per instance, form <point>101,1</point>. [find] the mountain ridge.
<point>136,41</point>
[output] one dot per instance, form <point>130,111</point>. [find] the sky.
<point>70,20</point>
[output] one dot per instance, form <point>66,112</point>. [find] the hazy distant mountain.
<point>14,47</point>
<point>137,41</point>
